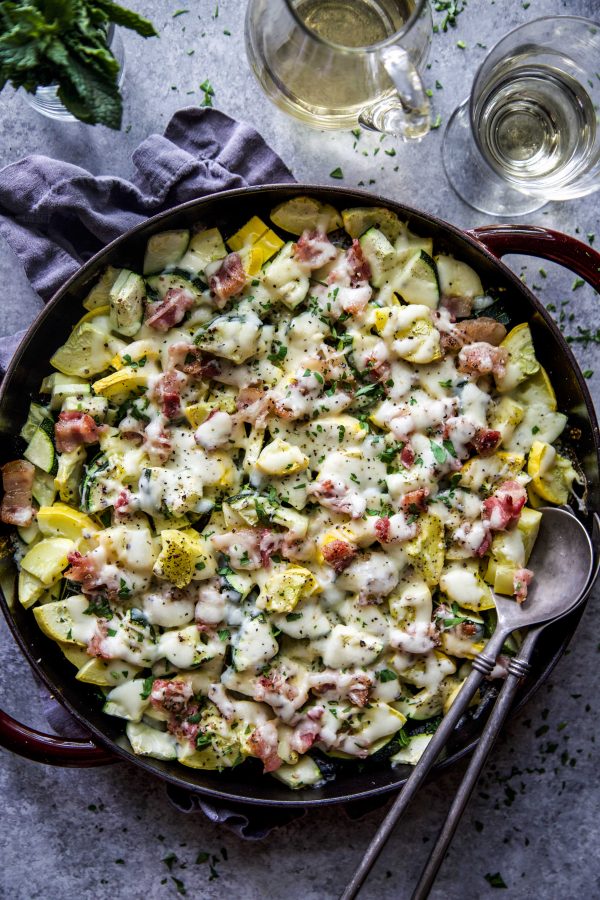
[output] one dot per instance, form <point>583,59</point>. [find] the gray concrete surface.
<point>111,833</point>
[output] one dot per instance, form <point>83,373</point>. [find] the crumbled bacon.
<point>87,571</point>
<point>314,249</point>
<point>171,310</point>
<point>358,264</point>
<point>276,682</point>
<point>306,732</point>
<point>167,391</point>
<point>248,548</point>
<point>125,503</point>
<point>382,529</point>
<point>458,307</point>
<point>521,580</point>
<point>336,495</point>
<point>94,647</point>
<point>481,358</point>
<point>157,442</point>
<point>263,743</point>
<point>179,724</point>
<point>503,508</point>
<point>338,554</point>
<point>485,544</point>
<point>415,501</point>
<point>229,279</point>
<point>472,331</point>
<point>407,456</point>
<point>486,441</point>
<point>190,359</point>
<point>74,429</point>
<point>17,480</point>
<point>171,695</point>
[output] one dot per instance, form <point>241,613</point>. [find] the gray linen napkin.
<point>55,216</point>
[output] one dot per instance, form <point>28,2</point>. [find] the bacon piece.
<point>521,580</point>
<point>314,249</point>
<point>198,365</point>
<point>157,442</point>
<point>171,695</point>
<point>486,441</point>
<point>276,682</point>
<point>167,391</point>
<point>125,503</point>
<point>87,571</point>
<point>382,529</point>
<point>458,307</point>
<point>356,686</point>
<point>407,456</point>
<point>472,331</point>
<point>483,329</point>
<point>94,647</point>
<point>263,743</point>
<point>248,548</point>
<point>485,544</point>
<point>338,554</point>
<point>171,310</point>
<point>501,511</point>
<point>415,501</point>
<point>481,358</point>
<point>394,529</point>
<point>306,731</point>
<point>229,279</point>
<point>336,495</point>
<point>17,480</point>
<point>190,359</point>
<point>358,264</point>
<point>74,429</point>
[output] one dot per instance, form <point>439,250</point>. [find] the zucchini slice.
<point>304,773</point>
<point>521,358</point>
<point>419,282</point>
<point>359,219</point>
<point>457,279</point>
<point>37,414</point>
<point>205,247</point>
<point>165,249</point>
<point>147,741</point>
<point>87,351</point>
<point>127,297</point>
<point>302,213</point>
<point>40,450</point>
<point>98,296</point>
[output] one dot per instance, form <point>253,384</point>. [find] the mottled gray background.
<point>106,833</point>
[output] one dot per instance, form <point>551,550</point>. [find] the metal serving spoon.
<point>563,560</point>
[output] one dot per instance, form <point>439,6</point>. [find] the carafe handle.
<point>404,113</point>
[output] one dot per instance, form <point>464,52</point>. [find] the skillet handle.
<point>49,749</point>
<point>545,243</point>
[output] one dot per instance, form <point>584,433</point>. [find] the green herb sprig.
<point>65,42</point>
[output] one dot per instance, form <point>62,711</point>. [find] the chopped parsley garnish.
<point>336,173</point>
<point>147,687</point>
<point>496,880</point>
<point>386,675</point>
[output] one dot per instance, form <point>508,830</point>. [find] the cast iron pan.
<point>482,249</point>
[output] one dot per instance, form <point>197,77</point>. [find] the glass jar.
<point>46,100</point>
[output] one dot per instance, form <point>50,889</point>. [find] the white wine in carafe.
<point>536,124</point>
<point>347,22</point>
<point>343,87</point>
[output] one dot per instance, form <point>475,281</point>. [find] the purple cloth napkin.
<point>55,216</point>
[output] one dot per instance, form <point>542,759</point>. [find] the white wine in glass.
<point>529,132</point>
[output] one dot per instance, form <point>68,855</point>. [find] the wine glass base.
<point>472,179</point>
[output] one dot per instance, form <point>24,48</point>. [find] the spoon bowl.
<point>563,561</point>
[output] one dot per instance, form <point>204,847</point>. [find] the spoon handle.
<point>482,665</point>
<point>517,667</point>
